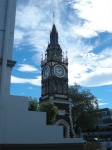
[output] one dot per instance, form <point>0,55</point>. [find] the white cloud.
<point>33,28</point>
<point>99,99</point>
<point>30,15</point>
<point>27,68</point>
<point>97,78</point>
<point>18,36</point>
<point>102,104</point>
<point>97,16</point>
<point>85,32</point>
<point>89,69</point>
<point>18,80</point>
<point>33,23</point>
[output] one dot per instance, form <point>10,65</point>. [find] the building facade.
<point>54,81</point>
<point>103,129</point>
<point>105,123</point>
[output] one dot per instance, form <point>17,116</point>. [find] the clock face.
<point>46,72</point>
<point>59,71</point>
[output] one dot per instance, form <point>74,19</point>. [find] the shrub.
<point>92,145</point>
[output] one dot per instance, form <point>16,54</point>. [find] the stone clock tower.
<point>55,81</point>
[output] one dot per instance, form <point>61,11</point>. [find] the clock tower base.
<point>63,117</point>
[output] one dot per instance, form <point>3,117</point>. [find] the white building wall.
<point>28,127</point>
<point>23,126</point>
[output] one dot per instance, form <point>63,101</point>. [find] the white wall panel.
<point>3,9</point>
<point>1,42</point>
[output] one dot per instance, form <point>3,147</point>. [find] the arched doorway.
<point>65,125</point>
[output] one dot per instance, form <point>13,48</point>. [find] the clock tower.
<point>54,83</point>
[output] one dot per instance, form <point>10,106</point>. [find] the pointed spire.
<point>54,50</point>
<point>54,37</point>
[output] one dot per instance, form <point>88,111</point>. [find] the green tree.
<point>33,104</point>
<point>50,109</point>
<point>85,112</point>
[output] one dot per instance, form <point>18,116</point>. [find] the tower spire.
<point>54,37</point>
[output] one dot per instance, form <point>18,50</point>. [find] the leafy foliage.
<point>50,109</point>
<point>85,107</point>
<point>92,145</point>
<point>33,104</point>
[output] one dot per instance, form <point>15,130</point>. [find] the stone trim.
<point>65,123</point>
<point>10,63</point>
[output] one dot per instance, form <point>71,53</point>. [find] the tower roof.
<point>54,37</point>
<point>54,28</point>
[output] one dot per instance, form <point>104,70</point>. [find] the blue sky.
<point>85,32</point>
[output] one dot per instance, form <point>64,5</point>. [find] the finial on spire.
<point>53,16</point>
